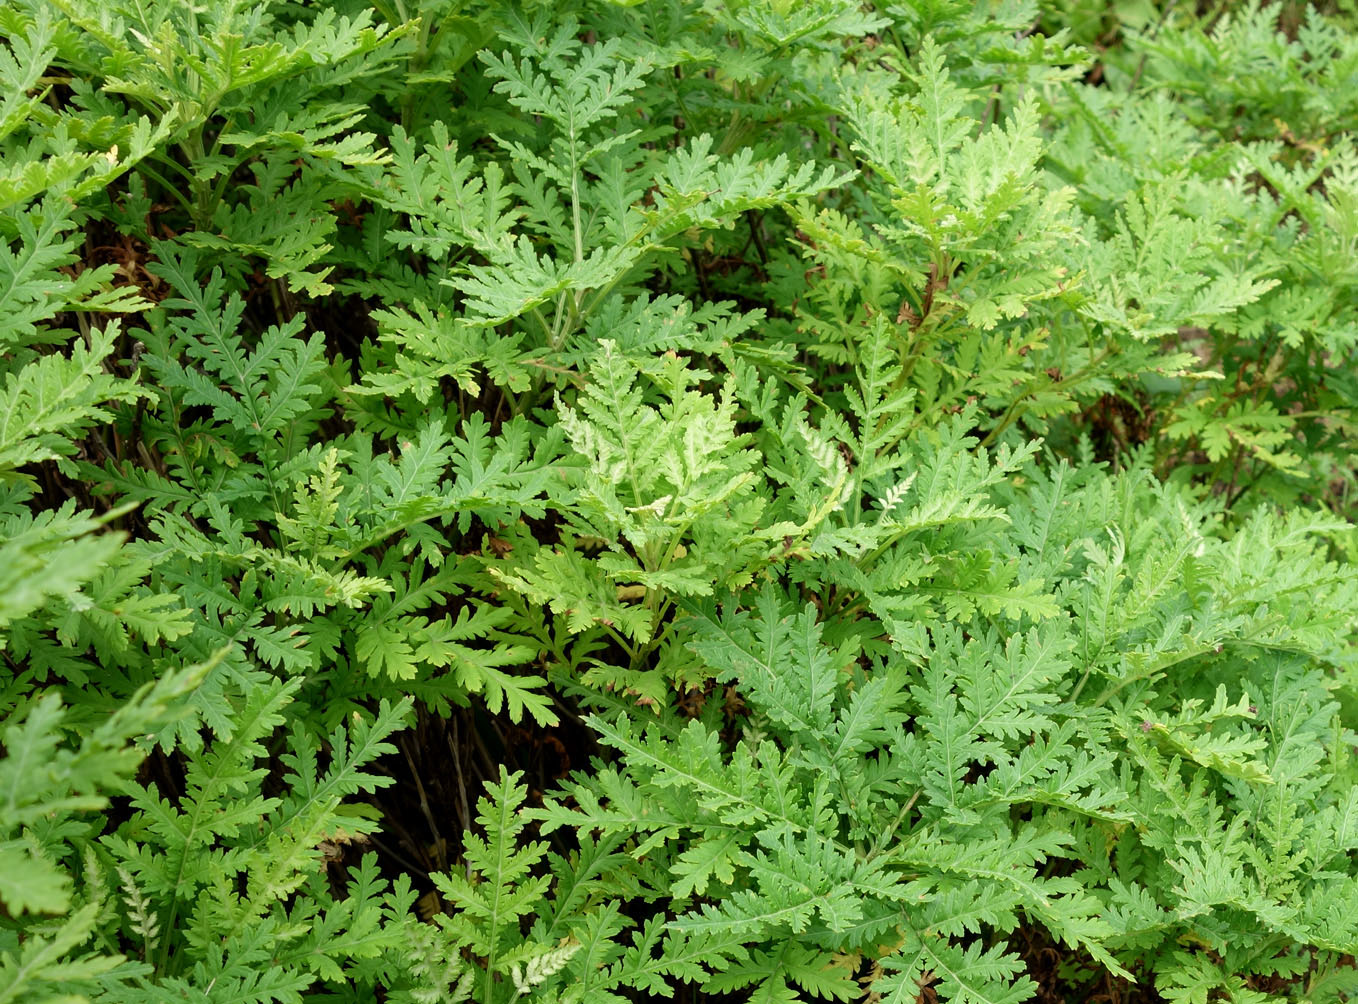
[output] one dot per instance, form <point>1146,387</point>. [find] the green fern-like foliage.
<point>910,806</point>
<point>897,455</point>
<point>55,891</point>
<point>73,602</point>
<point>660,501</point>
<point>542,252</point>
<point>1256,227</point>
<point>216,874</point>
<point>317,551</point>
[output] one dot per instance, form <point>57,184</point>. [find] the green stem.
<point>1013,412</point>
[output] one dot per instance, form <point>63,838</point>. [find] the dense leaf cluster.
<point>913,439</point>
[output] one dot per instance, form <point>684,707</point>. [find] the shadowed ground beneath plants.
<point>441,770</point>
